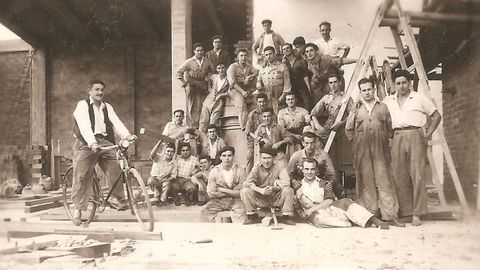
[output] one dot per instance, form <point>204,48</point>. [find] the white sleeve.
<point>118,127</point>
<point>83,121</point>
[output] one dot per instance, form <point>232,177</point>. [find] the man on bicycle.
<point>95,124</point>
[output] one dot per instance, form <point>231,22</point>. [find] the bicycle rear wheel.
<point>139,199</point>
<point>66,185</point>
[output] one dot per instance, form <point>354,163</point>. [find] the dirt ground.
<point>434,245</point>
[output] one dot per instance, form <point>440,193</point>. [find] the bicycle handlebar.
<point>123,143</point>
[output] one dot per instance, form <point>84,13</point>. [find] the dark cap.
<point>225,149</point>
<point>268,150</point>
<point>267,21</point>
<point>269,48</point>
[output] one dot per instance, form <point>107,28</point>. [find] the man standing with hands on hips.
<point>409,111</point>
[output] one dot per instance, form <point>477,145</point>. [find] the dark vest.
<point>110,135</point>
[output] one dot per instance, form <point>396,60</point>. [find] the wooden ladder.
<point>363,65</point>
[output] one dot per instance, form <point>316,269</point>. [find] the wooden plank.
<point>36,257</point>
<point>359,66</point>
<point>399,46</point>
<point>425,89</point>
<point>436,177</point>
<point>57,198</point>
<point>41,207</point>
<point>17,227</point>
<point>40,242</point>
<point>437,17</point>
<point>99,236</point>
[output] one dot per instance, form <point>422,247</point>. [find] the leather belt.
<point>407,128</point>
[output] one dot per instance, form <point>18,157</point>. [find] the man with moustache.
<point>95,125</point>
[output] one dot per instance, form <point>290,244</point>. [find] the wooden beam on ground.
<point>15,228</point>
<point>425,89</point>
<point>56,198</point>
<point>102,237</point>
<point>43,206</point>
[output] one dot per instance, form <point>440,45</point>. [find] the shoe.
<point>250,219</point>
<point>380,224</point>
<point>162,203</point>
<point>187,203</point>
<point>396,223</point>
<point>287,220</point>
<point>201,203</point>
<point>177,201</point>
<point>416,221</point>
<point>77,218</point>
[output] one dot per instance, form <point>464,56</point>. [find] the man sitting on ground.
<point>320,207</point>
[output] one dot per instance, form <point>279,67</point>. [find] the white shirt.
<point>212,151</point>
<point>332,47</point>
<point>199,61</point>
<point>82,117</point>
<point>220,83</point>
<point>313,191</point>
<point>268,41</point>
<point>227,176</point>
<point>412,113</point>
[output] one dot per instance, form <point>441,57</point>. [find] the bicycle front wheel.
<point>66,185</point>
<point>139,199</point>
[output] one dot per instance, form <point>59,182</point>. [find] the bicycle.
<point>137,193</point>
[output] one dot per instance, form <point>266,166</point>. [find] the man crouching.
<point>268,185</point>
<point>224,183</point>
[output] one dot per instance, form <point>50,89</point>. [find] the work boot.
<point>77,217</point>
<point>177,200</point>
<point>380,224</point>
<point>287,220</point>
<point>250,219</point>
<point>396,223</point>
<point>120,205</point>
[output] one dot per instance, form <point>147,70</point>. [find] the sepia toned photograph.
<point>239,134</point>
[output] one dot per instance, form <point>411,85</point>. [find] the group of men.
<point>298,92</point>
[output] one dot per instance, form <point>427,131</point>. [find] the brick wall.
<point>11,68</point>
<point>462,119</point>
<point>137,86</point>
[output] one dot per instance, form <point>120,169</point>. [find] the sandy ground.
<point>435,245</point>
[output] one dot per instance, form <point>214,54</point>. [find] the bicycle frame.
<point>125,167</point>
